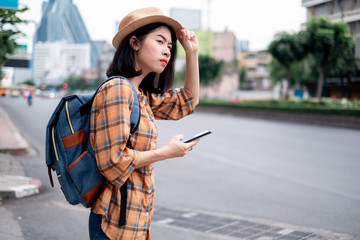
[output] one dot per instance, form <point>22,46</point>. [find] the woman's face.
<point>153,53</point>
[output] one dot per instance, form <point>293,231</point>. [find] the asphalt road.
<point>289,173</point>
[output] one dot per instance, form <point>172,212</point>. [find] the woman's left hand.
<point>189,41</point>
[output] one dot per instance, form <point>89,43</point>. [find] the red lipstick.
<point>164,61</point>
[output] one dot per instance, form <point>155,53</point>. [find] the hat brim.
<point>122,33</point>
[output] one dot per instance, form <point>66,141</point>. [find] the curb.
<point>13,182</point>
<point>18,186</point>
<point>16,144</point>
<point>350,122</point>
<point>15,151</point>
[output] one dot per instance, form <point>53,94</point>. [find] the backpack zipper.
<point>53,140</point>
<point>68,117</point>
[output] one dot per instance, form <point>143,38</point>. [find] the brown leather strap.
<point>50,176</point>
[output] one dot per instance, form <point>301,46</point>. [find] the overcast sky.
<point>253,20</point>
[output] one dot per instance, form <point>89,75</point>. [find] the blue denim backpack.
<point>69,152</point>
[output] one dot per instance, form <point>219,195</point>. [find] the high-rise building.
<point>61,21</point>
<point>345,10</point>
<point>54,61</point>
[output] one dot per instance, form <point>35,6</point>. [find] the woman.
<point>145,55</point>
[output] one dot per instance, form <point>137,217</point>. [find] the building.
<point>20,65</point>
<point>106,58</point>
<point>225,46</point>
<point>55,61</point>
<point>338,10</point>
<point>254,63</point>
<point>219,45</point>
<point>347,11</point>
<point>61,21</point>
<point>242,45</point>
<point>191,18</point>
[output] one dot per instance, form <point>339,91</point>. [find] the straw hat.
<point>140,18</point>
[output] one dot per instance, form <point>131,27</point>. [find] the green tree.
<point>344,62</point>
<point>277,71</point>
<point>331,46</point>
<point>242,78</point>
<point>209,71</point>
<point>287,49</point>
<point>300,72</point>
<point>29,82</point>
<point>78,83</point>
<point>9,21</point>
<point>180,77</point>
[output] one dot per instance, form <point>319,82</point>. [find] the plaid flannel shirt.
<point>110,130</point>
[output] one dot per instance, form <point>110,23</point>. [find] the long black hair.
<point>123,63</point>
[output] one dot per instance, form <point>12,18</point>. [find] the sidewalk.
<point>13,182</point>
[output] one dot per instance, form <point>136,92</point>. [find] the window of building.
<point>321,9</point>
<point>262,69</point>
<point>251,69</point>
<point>251,56</point>
<point>343,5</point>
<point>357,4</point>
<point>347,5</point>
<point>353,4</point>
<point>313,11</point>
<point>330,7</point>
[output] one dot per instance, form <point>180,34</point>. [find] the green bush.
<point>323,106</point>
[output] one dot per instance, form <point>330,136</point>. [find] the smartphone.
<point>197,136</point>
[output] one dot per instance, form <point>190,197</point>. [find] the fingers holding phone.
<point>175,148</point>
<point>191,144</point>
<point>178,147</point>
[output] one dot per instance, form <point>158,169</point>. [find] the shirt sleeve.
<point>110,124</point>
<point>173,104</point>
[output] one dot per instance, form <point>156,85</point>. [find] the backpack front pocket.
<point>85,165</point>
<point>78,169</point>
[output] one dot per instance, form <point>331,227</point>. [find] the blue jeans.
<point>95,231</point>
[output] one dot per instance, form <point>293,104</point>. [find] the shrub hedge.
<point>327,106</point>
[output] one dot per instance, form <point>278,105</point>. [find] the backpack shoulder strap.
<point>135,113</point>
<point>86,108</point>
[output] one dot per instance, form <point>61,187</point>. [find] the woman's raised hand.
<point>189,40</point>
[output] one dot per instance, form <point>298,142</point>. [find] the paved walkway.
<point>13,182</point>
<point>188,224</point>
<point>225,226</point>
<point>10,139</point>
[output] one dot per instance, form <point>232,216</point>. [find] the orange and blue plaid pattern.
<point>110,131</point>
